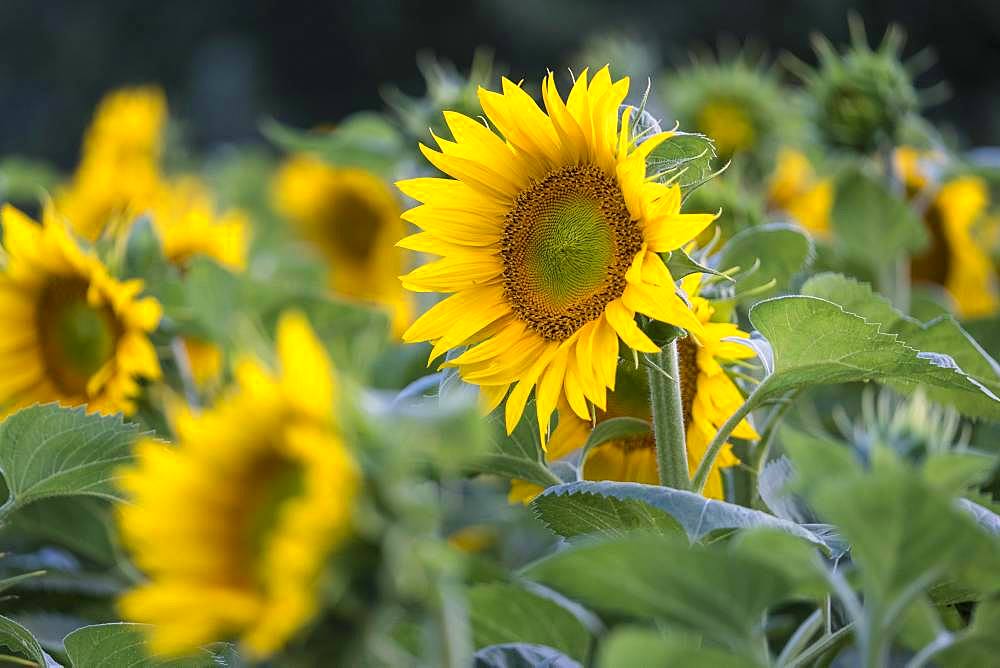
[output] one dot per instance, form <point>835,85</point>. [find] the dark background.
<point>226,65</point>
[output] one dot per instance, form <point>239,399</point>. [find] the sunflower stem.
<point>668,417</point>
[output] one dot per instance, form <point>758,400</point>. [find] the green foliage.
<point>685,159</point>
<point>633,646</point>
<point>583,507</point>
<point>114,645</point>
<point>768,256</point>
<point>872,224</point>
<point>16,639</point>
<point>48,451</point>
<point>365,140</point>
<point>815,342</point>
<point>502,613</point>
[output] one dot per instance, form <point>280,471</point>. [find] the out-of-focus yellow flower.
<point>958,257</point>
<point>795,189</point>
<point>70,332</point>
<point>352,217</point>
<point>188,224</point>
<point>728,125</point>
<point>234,524</point>
<point>118,175</point>
<point>708,398</point>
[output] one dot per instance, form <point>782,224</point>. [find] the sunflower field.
<point>603,366</point>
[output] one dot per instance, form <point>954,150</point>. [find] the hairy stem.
<point>668,417</point>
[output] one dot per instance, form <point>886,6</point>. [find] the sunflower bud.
<point>862,98</point>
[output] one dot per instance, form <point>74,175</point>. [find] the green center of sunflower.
<point>77,339</point>
<point>567,242</point>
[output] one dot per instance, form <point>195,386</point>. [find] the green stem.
<point>668,418</point>
<point>17,661</point>
<point>759,454</point>
<point>705,467</point>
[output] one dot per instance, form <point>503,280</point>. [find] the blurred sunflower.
<point>235,523</point>
<point>958,258</point>
<point>73,333</point>
<point>736,101</point>
<point>795,189</point>
<point>188,224</point>
<point>118,175</point>
<point>549,241</point>
<point>352,216</point>
<point>708,398</point>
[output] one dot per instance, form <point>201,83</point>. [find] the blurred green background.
<point>227,65</point>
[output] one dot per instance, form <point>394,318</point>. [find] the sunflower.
<point>708,398</point>
<point>735,99</point>
<point>958,258</point>
<point>550,244</point>
<point>352,217</point>
<point>235,523</point>
<point>189,225</point>
<point>795,189</point>
<point>118,174</point>
<point>73,334</point>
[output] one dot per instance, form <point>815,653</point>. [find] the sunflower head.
<point>73,333</point>
<point>734,99</point>
<point>189,225</point>
<point>353,218</point>
<point>235,523</point>
<point>549,234</point>
<point>118,175</point>
<point>861,98</point>
<point>796,190</point>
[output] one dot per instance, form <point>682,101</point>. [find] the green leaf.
<point>17,640</point>
<point>979,644</point>
<point>116,645</point>
<point>633,646</point>
<point>718,593</point>
<point>522,655</point>
<point>367,140</point>
<point>504,613</point>
<point>48,451</point>
<point>613,507</point>
<point>681,264</point>
<point>871,223</point>
<point>959,471</point>
<point>816,342</point>
<point>766,254</point>
<point>943,335</point>
<point>685,159</point>
<point>518,455</point>
<point>80,524</point>
<point>143,252</point>
<point>15,580</point>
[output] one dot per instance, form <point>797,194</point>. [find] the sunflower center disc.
<point>77,339</point>
<point>354,226</point>
<point>567,242</point>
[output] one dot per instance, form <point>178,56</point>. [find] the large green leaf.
<point>870,222</point>
<point>80,524</point>
<point>17,640</point>
<point>814,342</point>
<point>766,255</point>
<point>48,451</point>
<point>609,507</point>
<point>504,613</point>
<point>633,646</point>
<point>364,139</point>
<point>979,644</point>
<point>718,593</point>
<point>116,645</point>
<point>518,455</point>
<point>942,335</point>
